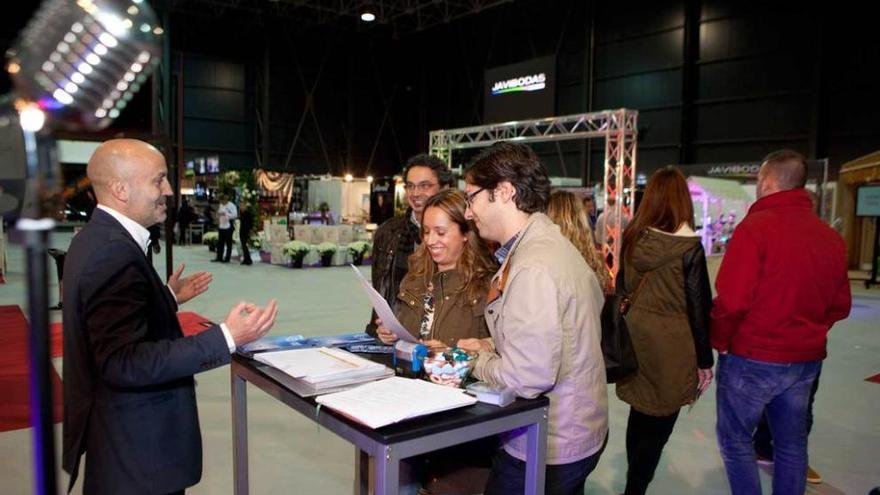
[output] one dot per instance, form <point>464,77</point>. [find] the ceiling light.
<point>368,16</point>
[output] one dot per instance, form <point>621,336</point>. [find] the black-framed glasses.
<point>421,186</point>
<point>469,197</point>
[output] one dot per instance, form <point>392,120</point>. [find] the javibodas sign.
<point>524,90</point>
<point>535,82</point>
<point>735,170</point>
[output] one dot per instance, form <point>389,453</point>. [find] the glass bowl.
<point>450,367</point>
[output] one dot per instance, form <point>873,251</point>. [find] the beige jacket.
<point>546,331</point>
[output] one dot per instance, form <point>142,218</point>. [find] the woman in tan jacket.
<point>442,297</point>
<point>664,264</point>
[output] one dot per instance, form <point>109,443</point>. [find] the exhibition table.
<point>379,451</point>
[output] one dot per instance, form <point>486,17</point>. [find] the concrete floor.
<point>289,454</point>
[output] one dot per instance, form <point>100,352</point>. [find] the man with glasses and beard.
<point>396,239</point>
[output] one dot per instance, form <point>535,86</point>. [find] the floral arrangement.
<point>326,248</point>
<point>248,196</point>
<point>211,238</point>
<point>256,242</point>
<point>296,249</point>
<point>359,248</point>
<point>232,177</point>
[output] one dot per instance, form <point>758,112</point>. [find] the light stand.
<point>36,233</point>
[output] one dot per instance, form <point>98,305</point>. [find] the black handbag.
<point>617,346</point>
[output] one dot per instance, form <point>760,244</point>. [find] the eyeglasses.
<point>421,186</point>
<point>469,197</point>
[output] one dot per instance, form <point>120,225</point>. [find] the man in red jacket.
<point>782,285</point>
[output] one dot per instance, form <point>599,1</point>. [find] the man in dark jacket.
<point>244,233</point>
<point>396,239</point>
<point>129,399</point>
<point>782,285</point>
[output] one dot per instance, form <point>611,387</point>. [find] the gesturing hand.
<point>248,322</point>
<point>188,287</point>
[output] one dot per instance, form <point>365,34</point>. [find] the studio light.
<point>73,56</point>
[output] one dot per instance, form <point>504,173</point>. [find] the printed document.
<point>383,309</point>
<point>391,400</point>
<point>321,364</point>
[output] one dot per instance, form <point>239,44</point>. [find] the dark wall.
<point>713,80</point>
<point>217,114</point>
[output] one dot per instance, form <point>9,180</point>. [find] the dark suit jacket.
<point>129,396</point>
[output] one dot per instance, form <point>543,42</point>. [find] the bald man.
<point>129,399</point>
<point>781,286</point>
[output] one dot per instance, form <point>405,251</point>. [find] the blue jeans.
<point>764,440</point>
<point>508,475</point>
<point>746,388</point>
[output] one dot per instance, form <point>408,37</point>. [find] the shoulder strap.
<point>639,287</point>
<point>619,286</point>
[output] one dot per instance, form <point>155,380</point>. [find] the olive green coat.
<point>455,316</point>
<point>668,315</point>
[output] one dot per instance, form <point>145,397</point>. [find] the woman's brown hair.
<point>476,265</point>
<point>568,212</point>
<point>665,206</point>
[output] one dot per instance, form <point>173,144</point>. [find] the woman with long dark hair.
<point>664,270</point>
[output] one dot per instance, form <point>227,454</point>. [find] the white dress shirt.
<point>226,213</point>
<point>142,237</point>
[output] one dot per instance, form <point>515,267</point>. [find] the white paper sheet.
<point>383,309</point>
<point>391,400</point>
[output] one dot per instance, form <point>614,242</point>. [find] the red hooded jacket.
<point>782,284</point>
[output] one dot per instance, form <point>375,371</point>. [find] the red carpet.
<point>193,323</point>
<point>875,378</point>
<point>14,373</point>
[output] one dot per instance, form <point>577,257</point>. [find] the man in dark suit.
<point>129,397</point>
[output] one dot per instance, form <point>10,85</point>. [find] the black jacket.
<point>129,397</point>
<point>393,243</point>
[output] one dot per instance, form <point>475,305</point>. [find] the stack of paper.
<point>321,369</point>
<point>395,399</point>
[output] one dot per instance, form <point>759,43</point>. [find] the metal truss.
<point>402,15</point>
<point>619,128</point>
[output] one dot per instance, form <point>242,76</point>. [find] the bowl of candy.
<point>450,367</point>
